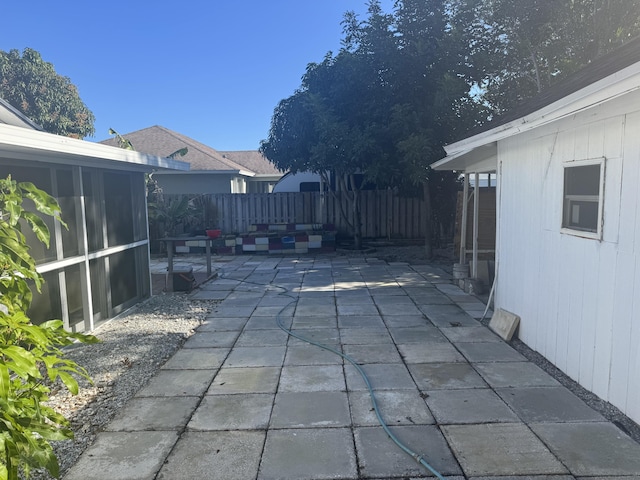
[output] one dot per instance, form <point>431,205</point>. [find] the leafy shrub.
<point>30,355</point>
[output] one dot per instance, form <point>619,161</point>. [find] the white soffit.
<point>10,115</point>
<point>243,173</point>
<point>483,159</point>
<point>26,144</point>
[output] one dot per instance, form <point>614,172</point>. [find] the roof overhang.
<point>26,144</point>
<point>235,173</point>
<point>267,177</point>
<point>12,116</point>
<point>471,154</point>
<point>482,159</point>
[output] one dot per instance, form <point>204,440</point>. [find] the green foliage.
<point>172,212</point>
<point>122,142</point>
<point>179,153</point>
<point>518,48</point>
<point>382,107</point>
<point>32,86</point>
<point>171,215</point>
<point>30,355</point>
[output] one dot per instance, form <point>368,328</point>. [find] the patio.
<point>244,400</point>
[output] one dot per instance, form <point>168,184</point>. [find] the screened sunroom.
<point>99,266</point>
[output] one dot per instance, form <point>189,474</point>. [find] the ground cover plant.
<point>31,356</point>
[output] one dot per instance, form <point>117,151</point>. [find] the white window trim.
<point>580,233</point>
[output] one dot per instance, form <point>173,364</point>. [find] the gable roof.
<point>253,160</point>
<point>161,141</point>
<point>607,77</point>
<point>10,115</point>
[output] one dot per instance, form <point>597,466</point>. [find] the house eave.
<point>482,159</point>
<point>210,172</point>
<point>266,177</point>
<point>620,83</point>
<point>26,144</point>
<point>12,116</point>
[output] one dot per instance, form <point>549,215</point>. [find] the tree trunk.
<point>347,187</point>
<point>357,219</point>
<point>428,214</point>
<point>341,186</point>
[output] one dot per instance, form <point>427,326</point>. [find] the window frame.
<point>596,235</point>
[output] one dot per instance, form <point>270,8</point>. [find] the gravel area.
<point>132,347</point>
<point>135,345</point>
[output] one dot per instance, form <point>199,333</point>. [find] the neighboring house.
<point>265,174</point>
<point>568,222</point>
<point>211,171</point>
<point>100,265</point>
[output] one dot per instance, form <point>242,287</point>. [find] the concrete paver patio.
<point>243,400</point>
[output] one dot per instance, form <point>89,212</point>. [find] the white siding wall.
<point>578,298</point>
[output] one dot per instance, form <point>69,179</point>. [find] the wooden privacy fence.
<point>486,222</point>
<point>384,214</point>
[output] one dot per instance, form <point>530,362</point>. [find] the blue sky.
<point>213,70</point>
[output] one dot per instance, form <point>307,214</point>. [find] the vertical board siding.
<point>578,303</point>
<point>633,392</point>
<point>632,172</point>
<point>522,245</point>
<point>578,298</point>
<point>545,339</point>
<point>383,213</point>
<point>604,327</point>
<point>622,318</point>
<point>585,353</point>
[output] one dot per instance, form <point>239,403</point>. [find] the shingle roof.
<point>610,63</point>
<point>252,160</point>
<point>161,141</point>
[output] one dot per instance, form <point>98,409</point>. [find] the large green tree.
<point>520,47</point>
<point>381,108</point>
<point>336,123</point>
<point>432,105</point>
<point>32,86</point>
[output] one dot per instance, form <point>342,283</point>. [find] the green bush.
<point>30,355</point>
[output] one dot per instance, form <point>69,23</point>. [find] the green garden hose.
<point>417,457</point>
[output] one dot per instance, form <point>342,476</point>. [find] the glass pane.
<point>98,288</point>
<point>93,211</point>
<point>142,268</point>
<point>581,198</point>
<point>46,304</point>
<point>583,216</point>
<point>68,200</point>
<point>139,206</point>
<point>74,297</point>
<point>122,277</point>
<point>41,178</point>
<point>582,180</point>
<point>118,206</point>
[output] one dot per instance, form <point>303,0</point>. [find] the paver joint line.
<point>473,406</point>
<point>419,458</point>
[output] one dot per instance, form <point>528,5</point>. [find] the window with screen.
<point>582,209</point>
